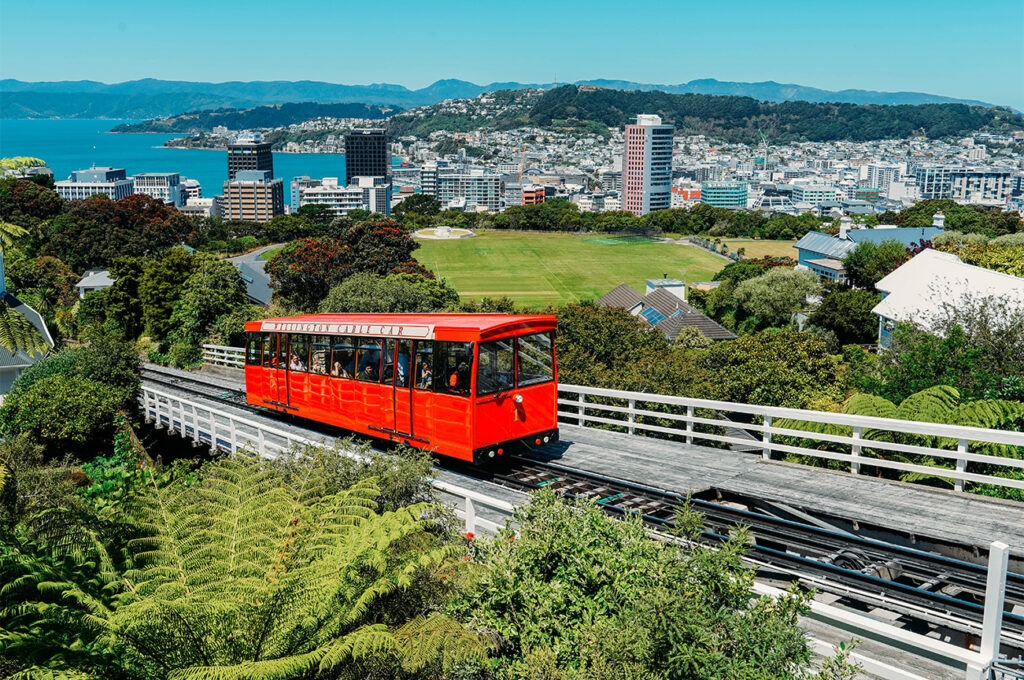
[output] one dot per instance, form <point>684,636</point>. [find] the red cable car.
<point>470,386</point>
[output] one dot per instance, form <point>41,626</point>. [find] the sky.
<point>971,50</point>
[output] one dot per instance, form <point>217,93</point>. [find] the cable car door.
<point>280,390</point>
<point>402,396</point>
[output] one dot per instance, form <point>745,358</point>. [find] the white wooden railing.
<point>750,427</point>
<point>222,355</point>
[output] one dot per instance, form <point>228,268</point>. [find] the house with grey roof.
<point>664,307</point>
<point>94,279</point>
<point>823,253</point>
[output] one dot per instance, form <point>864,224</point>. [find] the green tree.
<point>578,594</point>
<point>27,204</point>
<point>160,287</point>
<point>781,367</point>
<point>420,204</point>
<point>394,293</point>
<point>16,332</point>
<point>121,301</point>
<point>213,289</point>
<point>242,574</point>
<point>304,271</point>
<point>847,313</point>
<point>869,262</point>
<point>774,297</point>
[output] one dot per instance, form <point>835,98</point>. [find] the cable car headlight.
<point>518,399</point>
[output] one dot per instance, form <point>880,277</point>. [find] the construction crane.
<point>522,165</point>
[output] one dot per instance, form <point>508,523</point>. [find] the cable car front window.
<point>536,359</point>
<point>453,363</point>
<point>495,367</point>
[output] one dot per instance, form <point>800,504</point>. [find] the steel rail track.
<point>940,590</point>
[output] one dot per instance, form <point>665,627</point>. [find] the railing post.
<point>582,409</point>
<point>995,599</point>
<point>855,450</point>
<point>689,425</point>
<point>470,516</point>
<point>632,415</point>
<point>961,464</point>
<point>766,439</point>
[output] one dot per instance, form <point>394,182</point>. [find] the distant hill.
<point>152,98</point>
<point>277,115</point>
<point>592,110</point>
<point>738,119</point>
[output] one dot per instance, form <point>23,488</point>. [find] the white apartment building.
<point>202,207</point>
<point>369,193</point>
<point>814,194</point>
<point>474,189</point>
<point>163,186</point>
<point>112,182</point>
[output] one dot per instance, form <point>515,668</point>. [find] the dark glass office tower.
<point>249,156</point>
<point>366,155</point>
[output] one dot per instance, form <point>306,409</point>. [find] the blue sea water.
<point>68,145</point>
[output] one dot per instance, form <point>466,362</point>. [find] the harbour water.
<point>68,145</point>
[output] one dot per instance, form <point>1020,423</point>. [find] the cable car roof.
<point>463,327</point>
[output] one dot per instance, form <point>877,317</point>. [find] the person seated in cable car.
<point>459,379</point>
<point>338,371</point>
<point>294,364</point>
<point>426,376</point>
<point>369,373</point>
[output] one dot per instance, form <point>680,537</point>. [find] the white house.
<point>94,279</point>
<point>921,289</point>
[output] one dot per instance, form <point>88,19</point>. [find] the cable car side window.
<point>343,357</point>
<point>319,355</point>
<point>424,364</point>
<point>298,353</point>
<point>269,349</point>
<point>495,368</point>
<point>536,358</point>
<point>368,359</point>
<point>282,350</point>
<point>253,349</point>
<point>453,362</point>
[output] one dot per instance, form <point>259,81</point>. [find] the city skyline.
<point>879,47</point>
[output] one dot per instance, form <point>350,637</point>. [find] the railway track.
<point>943,594</point>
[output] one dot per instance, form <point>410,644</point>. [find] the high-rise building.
<point>254,196</point>
<point>647,166</point>
<point>725,194</point>
<point>367,154</point>
<point>249,155</point>
<point>112,182</point>
<point>163,186</point>
<point>472,190</point>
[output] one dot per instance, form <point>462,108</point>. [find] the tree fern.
<point>17,333</point>
<point>245,574</point>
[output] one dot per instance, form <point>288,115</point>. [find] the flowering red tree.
<point>94,231</point>
<point>305,271</point>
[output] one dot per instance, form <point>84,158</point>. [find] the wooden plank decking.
<point>968,519</point>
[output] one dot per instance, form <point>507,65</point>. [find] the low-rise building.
<point>112,182</point>
<point>94,279</point>
<point>726,194</point>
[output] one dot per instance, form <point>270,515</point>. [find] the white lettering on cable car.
<point>417,332</point>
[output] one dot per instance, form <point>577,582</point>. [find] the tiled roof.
<point>621,296</point>
<point>257,282</point>
<point>705,324</point>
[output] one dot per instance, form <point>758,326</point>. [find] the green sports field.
<point>753,248</point>
<point>536,270</point>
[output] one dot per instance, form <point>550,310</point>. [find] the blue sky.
<point>972,49</point>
